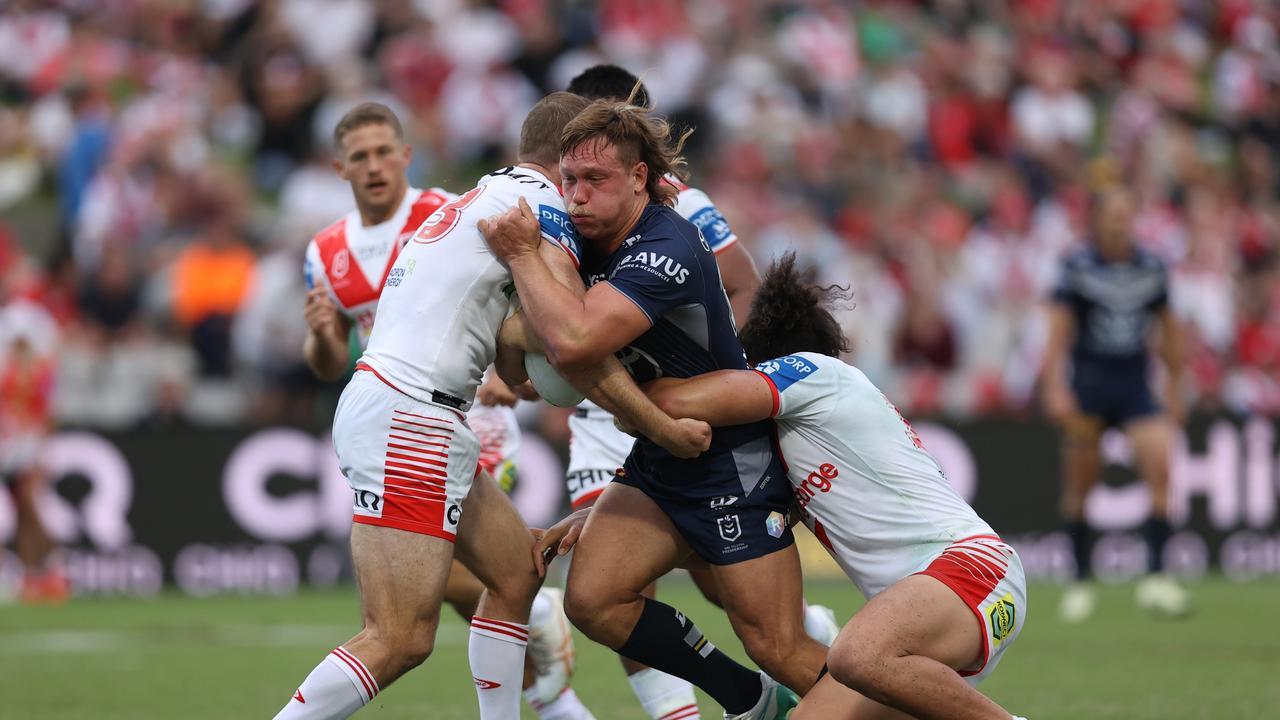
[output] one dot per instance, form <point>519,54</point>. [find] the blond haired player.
<point>412,460</point>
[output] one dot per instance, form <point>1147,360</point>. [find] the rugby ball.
<point>553,388</point>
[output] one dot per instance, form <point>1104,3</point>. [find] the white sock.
<point>540,613</point>
<point>820,624</point>
<point>565,707</point>
<point>496,652</point>
<point>339,686</point>
<point>663,696</point>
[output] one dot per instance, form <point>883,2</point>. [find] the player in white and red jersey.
<point>946,596</point>
<point>597,449</point>
<point>413,461</point>
<point>28,346</point>
<point>345,268</point>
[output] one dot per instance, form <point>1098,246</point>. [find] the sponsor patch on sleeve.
<point>557,226</point>
<point>787,371</point>
<point>713,226</point>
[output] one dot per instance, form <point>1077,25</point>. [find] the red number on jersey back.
<point>440,222</point>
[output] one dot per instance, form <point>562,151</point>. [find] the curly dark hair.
<point>791,314</point>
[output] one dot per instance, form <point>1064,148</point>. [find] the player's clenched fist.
<point>512,233</point>
<point>320,312</point>
<point>689,438</point>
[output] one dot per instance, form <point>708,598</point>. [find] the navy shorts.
<point>729,506</point>
<point>1114,398</point>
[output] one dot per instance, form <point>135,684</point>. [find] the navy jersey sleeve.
<point>1161,298</point>
<point>658,276</point>
<point>1064,290</point>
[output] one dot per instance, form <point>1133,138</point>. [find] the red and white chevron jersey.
<point>352,260</point>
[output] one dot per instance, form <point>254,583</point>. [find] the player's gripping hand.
<point>493,392</point>
<point>512,233</point>
<point>559,539</point>
<point>320,312</point>
<point>687,438</point>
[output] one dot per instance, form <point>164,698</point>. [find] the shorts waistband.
<point>452,402</point>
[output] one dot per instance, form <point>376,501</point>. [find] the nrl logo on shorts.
<point>730,527</point>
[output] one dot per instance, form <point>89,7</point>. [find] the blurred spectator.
<point>936,157</point>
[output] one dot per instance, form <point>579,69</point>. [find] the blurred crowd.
<point>163,163</point>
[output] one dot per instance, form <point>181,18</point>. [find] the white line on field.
<point>231,636</point>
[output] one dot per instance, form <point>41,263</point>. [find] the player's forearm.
<point>555,313</point>
<point>609,385</point>
<point>722,398</point>
<point>1054,370</point>
<point>326,355</point>
<point>741,279</point>
<point>740,299</point>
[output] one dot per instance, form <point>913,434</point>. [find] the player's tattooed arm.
<point>724,397</point>
<point>325,348</point>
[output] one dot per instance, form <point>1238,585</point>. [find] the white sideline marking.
<point>234,636</point>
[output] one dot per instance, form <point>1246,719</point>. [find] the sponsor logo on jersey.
<point>730,527</point>
<point>776,524</point>
<point>1003,616</point>
<point>787,371</point>
<point>373,251</point>
<point>818,481</point>
<point>400,272</point>
<point>655,264</point>
<point>725,501</point>
<point>556,223</point>
<point>712,225</point>
<point>341,264</point>
<point>630,241</point>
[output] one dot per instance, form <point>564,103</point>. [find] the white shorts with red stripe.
<point>987,575</point>
<point>409,463</point>
<point>597,449</point>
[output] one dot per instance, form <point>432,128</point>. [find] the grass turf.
<point>242,657</point>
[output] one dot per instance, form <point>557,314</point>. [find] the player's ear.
<point>639,176</point>
<point>407,151</point>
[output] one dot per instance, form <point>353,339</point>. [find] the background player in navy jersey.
<point>655,298</point>
<point>1109,299</point>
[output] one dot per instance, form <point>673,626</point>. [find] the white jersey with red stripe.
<point>864,483</point>
<point>596,447</point>
<point>352,260</point>
<point>446,296</point>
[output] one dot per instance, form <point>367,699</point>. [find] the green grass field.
<point>237,657</point>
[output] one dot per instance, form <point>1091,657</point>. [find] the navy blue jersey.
<point>1113,303</point>
<point>668,270</point>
